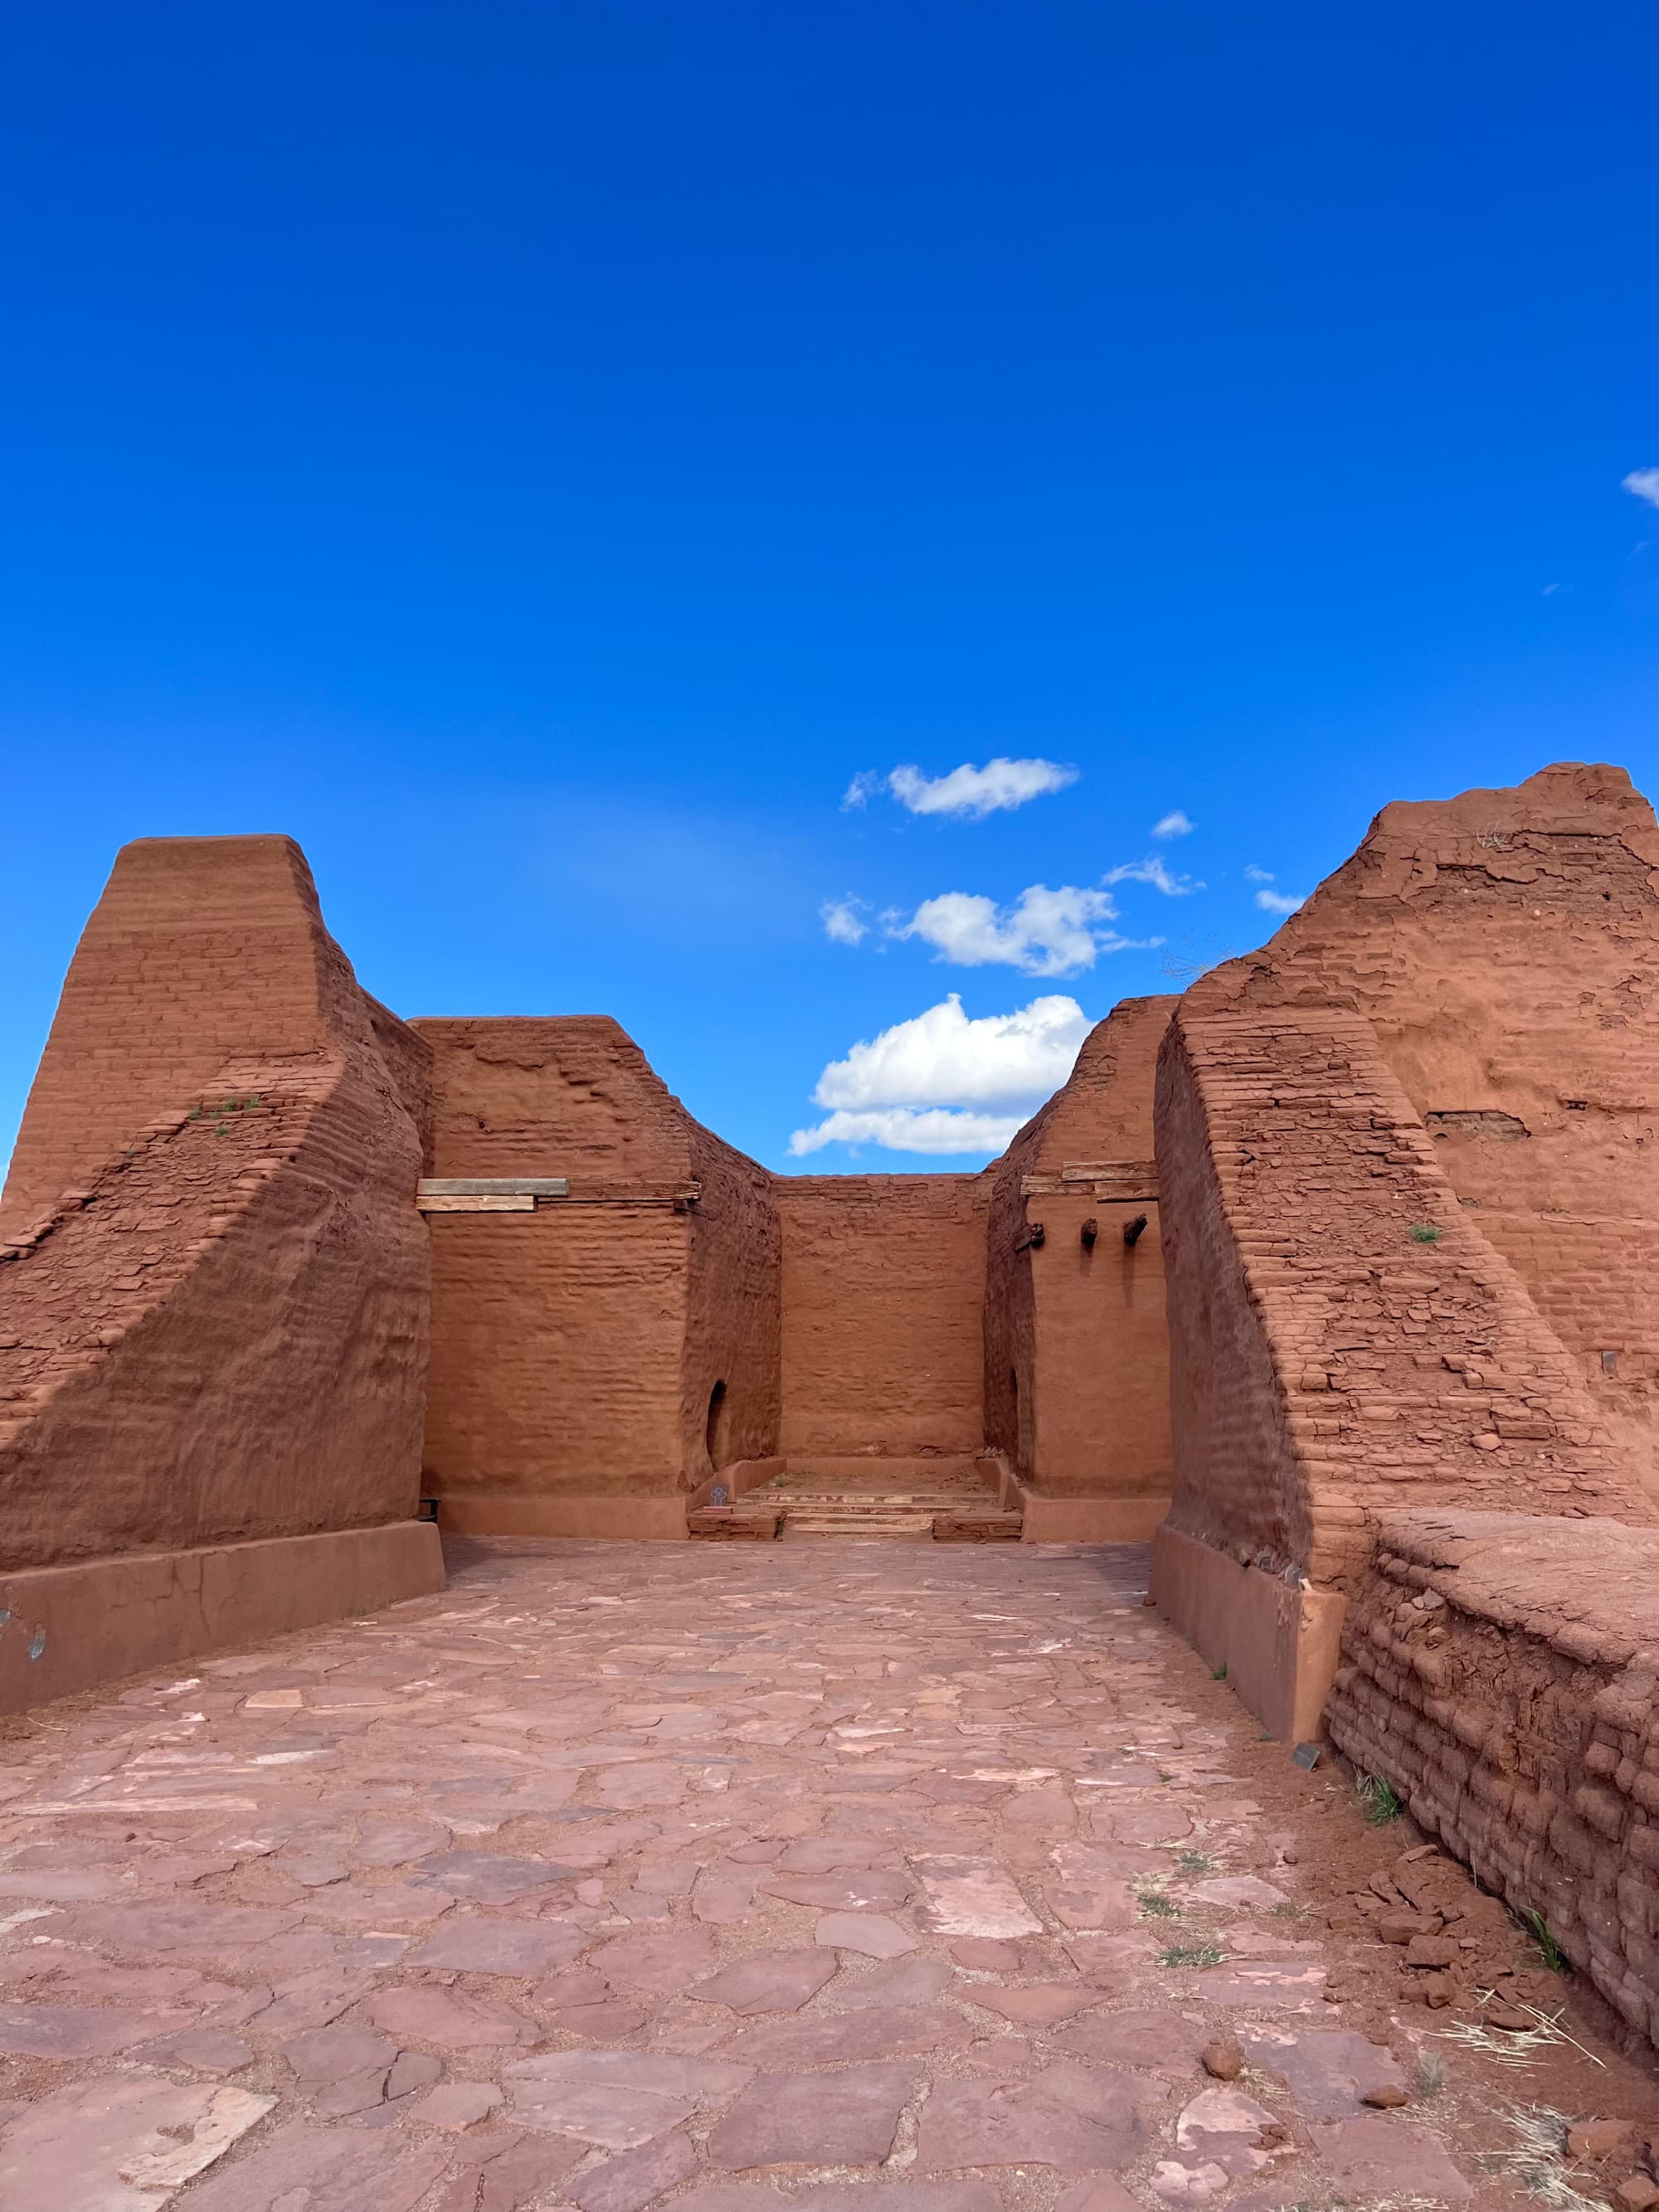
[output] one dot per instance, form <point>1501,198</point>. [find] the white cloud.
<point>861,789</point>
<point>1044,932</point>
<point>1253,874</point>
<point>941,1058</point>
<point>911,1129</point>
<point>1277,903</point>
<point>942,1084</point>
<point>842,924</point>
<point>973,792</point>
<point>1644,482</point>
<point>1174,825</point>
<point>1151,871</point>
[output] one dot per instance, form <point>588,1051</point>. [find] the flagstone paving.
<point>868,1878</point>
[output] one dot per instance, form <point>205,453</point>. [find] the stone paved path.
<point>622,1874</point>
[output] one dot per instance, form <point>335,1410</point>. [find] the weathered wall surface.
<point>1505,947</point>
<point>734,1325</point>
<point>575,1349</point>
<point>1077,1383</point>
<point>1327,1366</point>
<point>1502,1671</point>
<point>201,950</point>
<point>884,1283</point>
<point>219,1333</point>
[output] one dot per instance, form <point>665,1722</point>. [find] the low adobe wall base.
<point>648,1519</point>
<point>70,1628</point>
<point>1090,1520</point>
<point>1280,1646</point>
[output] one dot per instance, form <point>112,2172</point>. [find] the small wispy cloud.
<point>968,793</point>
<point>842,922</point>
<point>1253,874</point>
<point>1174,825</point>
<point>1645,483</point>
<point>1278,901</point>
<point>1151,871</point>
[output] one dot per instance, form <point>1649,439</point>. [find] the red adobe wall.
<point>218,1334</point>
<point>1327,1366</point>
<point>1502,1671</point>
<point>202,949</point>
<point>1076,1378</point>
<point>884,1285</point>
<point>575,1349</point>
<point>1504,946</point>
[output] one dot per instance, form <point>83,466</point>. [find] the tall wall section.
<point>214,1285</point>
<point>1076,1378</point>
<point>884,1286</point>
<point>577,1349</point>
<point>1505,947</point>
<point>1450,1037</point>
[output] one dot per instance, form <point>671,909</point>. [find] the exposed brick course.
<point>1327,1364</point>
<point>883,1286</point>
<point>220,1331</point>
<point>1502,1670</point>
<point>1077,1391</point>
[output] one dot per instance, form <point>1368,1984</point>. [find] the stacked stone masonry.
<point>1076,1359</point>
<point>1342,1335</point>
<point>1504,946</point>
<point>1502,1671</point>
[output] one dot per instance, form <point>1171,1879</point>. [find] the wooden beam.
<point>492,1186</point>
<point>461,1201</point>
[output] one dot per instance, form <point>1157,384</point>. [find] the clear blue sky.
<point>540,455</point>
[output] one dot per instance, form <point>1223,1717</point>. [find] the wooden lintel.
<point>492,1186</point>
<point>461,1201</point>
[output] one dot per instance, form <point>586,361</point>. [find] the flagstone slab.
<point>1381,2156</point>
<point>1283,1988</point>
<point>1328,2073</point>
<point>120,2144</point>
<point>616,2099</point>
<point>1155,2041</point>
<point>488,1877</point>
<point>310,2169</point>
<point>1031,2004</point>
<point>487,1943</point>
<point>767,1981</point>
<point>973,1897</point>
<point>69,2031</point>
<point>903,1981</point>
<point>836,2039</point>
<point>196,1930</point>
<point>876,1891</point>
<point>870,1934</point>
<point>636,2177</point>
<point>432,2014</point>
<point>1077,2119</point>
<point>665,1964</point>
<point>847,2117</point>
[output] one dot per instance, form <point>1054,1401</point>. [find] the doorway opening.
<point>715,1427</point>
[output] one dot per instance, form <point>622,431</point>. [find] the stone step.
<point>947,1515</point>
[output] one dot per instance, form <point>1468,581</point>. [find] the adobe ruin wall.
<point>577,1348</point>
<point>882,1304</point>
<point>207,1205</point>
<point>1502,1671</point>
<point>1077,1383</point>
